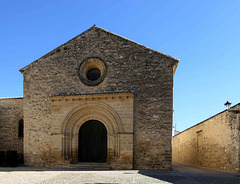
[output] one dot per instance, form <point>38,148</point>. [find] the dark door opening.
<point>92,142</point>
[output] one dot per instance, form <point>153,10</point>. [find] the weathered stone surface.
<point>136,93</point>
<point>212,143</point>
<point>11,112</point>
<point>115,111</point>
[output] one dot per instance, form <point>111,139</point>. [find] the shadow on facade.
<point>10,158</point>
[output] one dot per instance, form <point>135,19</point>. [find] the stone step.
<point>90,166</point>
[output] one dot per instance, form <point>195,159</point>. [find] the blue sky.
<point>203,34</point>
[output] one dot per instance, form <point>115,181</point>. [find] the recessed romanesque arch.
<point>83,113</point>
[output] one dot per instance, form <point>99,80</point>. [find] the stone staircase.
<point>90,166</point>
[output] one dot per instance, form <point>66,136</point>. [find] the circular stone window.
<point>93,74</point>
<point>92,71</point>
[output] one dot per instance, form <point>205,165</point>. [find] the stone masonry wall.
<point>213,143</point>
<point>130,66</point>
<point>11,111</point>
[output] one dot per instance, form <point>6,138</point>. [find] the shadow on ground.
<point>186,174</point>
<point>181,174</point>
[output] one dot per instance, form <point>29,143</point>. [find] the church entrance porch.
<point>92,142</point>
<point>94,128</point>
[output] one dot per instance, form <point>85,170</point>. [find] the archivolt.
<point>92,110</point>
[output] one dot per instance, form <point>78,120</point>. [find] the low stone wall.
<point>11,112</point>
<point>213,143</point>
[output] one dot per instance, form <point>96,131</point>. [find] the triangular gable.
<point>175,61</point>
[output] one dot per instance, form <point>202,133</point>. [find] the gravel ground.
<point>181,174</point>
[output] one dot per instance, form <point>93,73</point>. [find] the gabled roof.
<point>113,34</point>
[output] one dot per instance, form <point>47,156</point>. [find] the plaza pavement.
<point>181,174</point>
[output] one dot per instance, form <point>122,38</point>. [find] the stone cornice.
<point>9,98</point>
<point>91,96</point>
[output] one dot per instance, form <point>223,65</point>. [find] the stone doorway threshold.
<point>90,166</point>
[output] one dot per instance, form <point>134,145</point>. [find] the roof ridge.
<point>135,42</point>
<point>94,26</point>
<point>24,68</point>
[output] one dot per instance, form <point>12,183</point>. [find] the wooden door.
<point>92,144</point>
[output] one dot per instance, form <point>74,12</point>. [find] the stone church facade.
<point>97,98</point>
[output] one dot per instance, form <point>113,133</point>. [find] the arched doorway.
<point>81,115</point>
<point>92,142</point>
